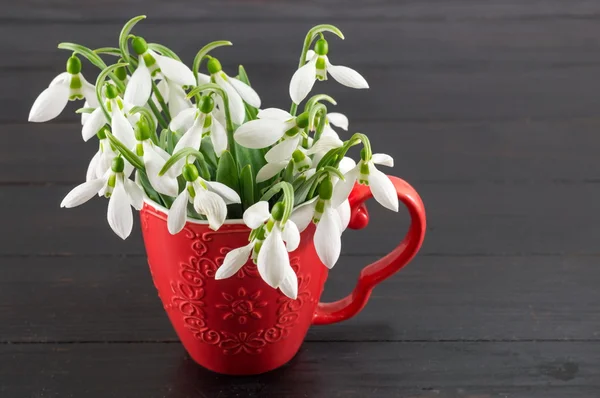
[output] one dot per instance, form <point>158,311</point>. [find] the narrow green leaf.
<point>182,154</point>
<point>247,186</point>
<point>127,154</point>
<point>85,110</point>
<point>100,85</point>
<point>251,112</point>
<point>204,51</point>
<point>227,172</point>
<point>123,37</point>
<point>108,50</point>
<point>152,194</point>
<point>163,50</point>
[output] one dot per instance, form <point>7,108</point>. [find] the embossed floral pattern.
<point>242,306</point>
<point>250,343</point>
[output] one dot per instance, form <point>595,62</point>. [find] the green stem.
<point>161,101</point>
<point>163,123</point>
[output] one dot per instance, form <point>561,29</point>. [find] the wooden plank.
<point>424,152</point>
<point>182,10</point>
<point>533,370</point>
<point>463,219</point>
<point>87,299</point>
<point>417,71</point>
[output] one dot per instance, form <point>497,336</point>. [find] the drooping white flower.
<point>279,157</point>
<point>330,222</point>
<point>69,85</point>
<point>237,91</point>
<point>175,97</point>
<point>269,247</point>
<point>139,87</point>
<point>198,123</point>
<point>123,194</point>
<point>337,119</point>
<point>366,173</point>
<point>317,67</point>
<point>272,125</point>
<point>210,198</point>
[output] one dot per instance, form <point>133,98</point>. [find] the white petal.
<point>228,194</point>
<point>283,151</point>
<point>245,91</point>
<point>218,137</point>
<point>234,260</point>
<point>310,54</point>
<point>236,104</point>
<point>63,79</point>
<point>383,189</point>
<point>383,159</point>
<point>119,213</point>
<point>175,70</point>
<point>303,81</point>
<point>154,162</point>
<point>346,76</point>
<point>139,88</point>
<point>91,170</point>
<point>177,100</point>
<point>270,170</point>
<point>325,144</point>
<point>260,133</point>
<point>346,164</point>
<point>328,243</point>
<point>121,128</point>
<point>344,212</point>
<point>273,259</point>
<point>203,79</point>
<point>342,189</point>
<point>257,214</point>
<point>89,92</point>
<point>303,214</point>
<point>82,193</point>
<point>289,285</point>
<point>192,137</point>
<point>178,213</point>
<point>95,121</point>
<point>85,116</point>
<point>338,119</point>
<point>184,120</point>
<point>49,104</point>
<point>212,206</point>
<point>135,193</point>
<point>291,236</point>
<point>274,113</point>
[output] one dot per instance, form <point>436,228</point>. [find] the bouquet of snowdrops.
<point>203,148</point>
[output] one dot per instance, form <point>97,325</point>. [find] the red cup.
<point>240,325</point>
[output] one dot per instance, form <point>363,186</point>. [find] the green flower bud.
<point>121,73</point>
<point>73,65</point>
<point>142,130</point>
<point>321,47</point>
<point>190,173</point>
<point>214,66</point>
<point>111,91</point>
<point>277,211</point>
<point>326,189</point>
<point>118,165</point>
<point>139,45</point>
<point>302,120</point>
<point>206,104</point>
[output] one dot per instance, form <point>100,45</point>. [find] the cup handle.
<point>383,268</point>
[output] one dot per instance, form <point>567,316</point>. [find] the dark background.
<point>490,109</point>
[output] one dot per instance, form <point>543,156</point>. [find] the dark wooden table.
<point>490,109</point>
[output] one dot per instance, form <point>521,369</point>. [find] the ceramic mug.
<point>240,325</point>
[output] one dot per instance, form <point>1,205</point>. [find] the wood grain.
<point>542,370</point>
<point>87,299</point>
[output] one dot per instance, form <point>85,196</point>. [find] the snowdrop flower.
<point>198,123</point>
<point>317,67</point>
<point>271,126</point>
<point>102,160</point>
<point>237,91</point>
<point>123,193</point>
<point>269,247</point>
<point>330,222</point>
<point>69,85</point>
<point>337,119</point>
<point>366,173</point>
<point>175,97</point>
<point>276,162</point>
<point>210,198</point>
<point>150,63</point>
<point>121,120</point>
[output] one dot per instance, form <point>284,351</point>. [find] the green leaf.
<point>163,50</point>
<point>247,186</point>
<point>124,36</point>
<point>182,154</point>
<point>227,172</point>
<point>109,51</point>
<point>288,173</point>
<point>100,84</point>
<point>84,52</point>
<point>152,194</point>
<point>288,197</point>
<point>127,154</point>
<point>85,110</point>
<point>208,151</point>
<point>251,112</point>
